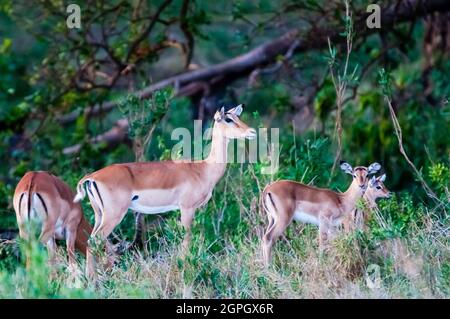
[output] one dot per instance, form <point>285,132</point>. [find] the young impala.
<point>285,201</point>
<point>376,189</point>
<point>44,198</point>
<point>159,187</point>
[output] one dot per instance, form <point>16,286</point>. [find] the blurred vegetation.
<point>40,60</point>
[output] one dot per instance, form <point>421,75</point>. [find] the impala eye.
<point>378,187</point>
<point>228,120</point>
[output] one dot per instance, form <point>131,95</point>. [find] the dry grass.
<point>229,264</point>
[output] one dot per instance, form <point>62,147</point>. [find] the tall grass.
<point>404,254</point>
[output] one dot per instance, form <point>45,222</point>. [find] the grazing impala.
<point>159,187</point>
<point>44,198</point>
<point>285,201</point>
<point>376,189</point>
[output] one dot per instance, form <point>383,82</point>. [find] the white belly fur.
<point>305,218</point>
<point>152,210</point>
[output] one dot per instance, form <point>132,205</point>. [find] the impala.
<point>376,189</point>
<point>159,187</point>
<point>285,201</point>
<point>44,198</point>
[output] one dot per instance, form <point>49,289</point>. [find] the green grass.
<point>225,261</point>
<point>404,254</point>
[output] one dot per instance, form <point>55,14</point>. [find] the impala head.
<point>377,188</point>
<point>231,126</point>
<point>360,173</point>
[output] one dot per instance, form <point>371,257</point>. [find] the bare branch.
<point>147,30</point>
<point>187,33</point>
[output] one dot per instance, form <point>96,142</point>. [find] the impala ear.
<point>236,110</point>
<point>373,168</point>
<point>382,178</point>
<point>373,181</point>
<point>219,115</point>
<point>346,167</point>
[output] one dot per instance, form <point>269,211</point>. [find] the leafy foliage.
<point>47,71</point>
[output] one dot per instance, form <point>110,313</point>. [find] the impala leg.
<point>92,242</point>
<point>73,279</point>
<point>51,248</point>
<point>140,232</point>
<point>106,220</point>
<point>109,222</point>
<point>104,232</point>
<point>348,223</point>
<point>273,232</point>
<point>95,243</point>
<point>187,216</point>
<point>266,245</point>
<point>71,236</point>
<point>324,228</point>
<point>97,213</point>
<point>90,262</point>
<point>24,236</point>
<point>48,239</point>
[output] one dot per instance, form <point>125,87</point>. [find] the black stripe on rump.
<point>20,203</point>
<point>43,203</point>
<point>92,197</point>
<point>29,194</point>
<point>271,200</point>
<point>96,189</point>
<point>89,188</point>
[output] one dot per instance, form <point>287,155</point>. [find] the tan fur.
<point>361,218</point>
<point>284,200</point>
<point>46,197</point>
<point>183,184</point>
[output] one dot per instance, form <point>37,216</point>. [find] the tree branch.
<point>243,65</point>
<point>147,31</point>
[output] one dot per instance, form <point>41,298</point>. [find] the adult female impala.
<point>285,201</point>
<point>376,189</point>
<point>159,187</point>
<point>44,198</point>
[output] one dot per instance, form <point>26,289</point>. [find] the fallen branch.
<point>238,65</point>
<point>217,76</point>
<point>115,136</point>
<point>266,53</point>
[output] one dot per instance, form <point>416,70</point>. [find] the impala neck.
<point>350,196</point>
<point>370,199</point>
<point>216,162</point>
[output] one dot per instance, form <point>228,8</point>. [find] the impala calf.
<point>159,187</point>
<point>285,201</point>
<point>44,198</point>
<point>376,189</point>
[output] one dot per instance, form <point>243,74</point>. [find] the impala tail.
<point>269,207</point>
<point>81,192</point>
<point>268,204</point>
